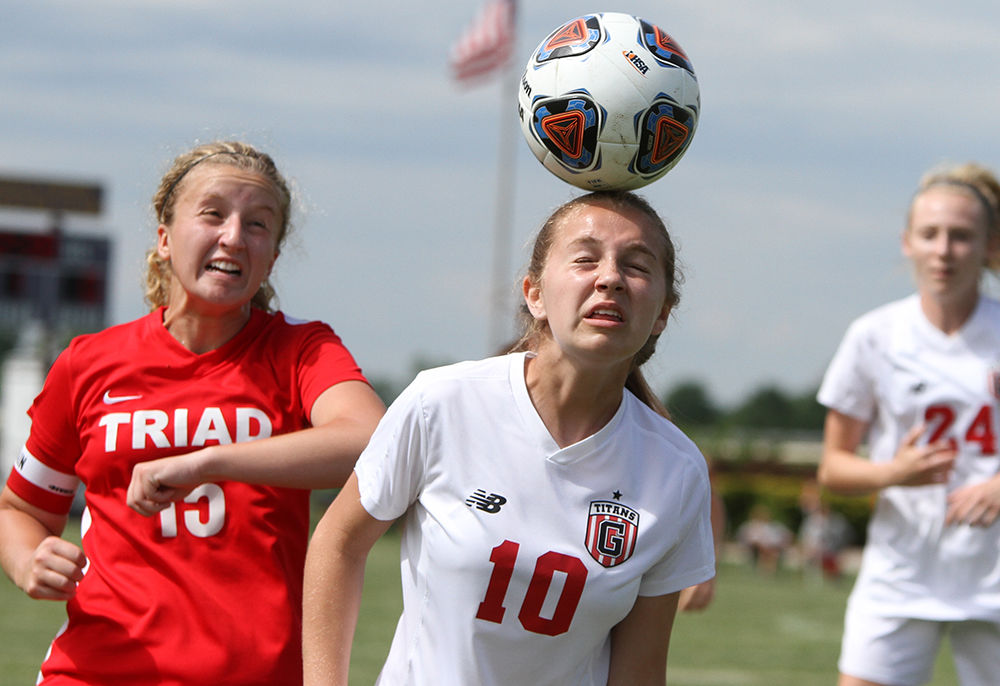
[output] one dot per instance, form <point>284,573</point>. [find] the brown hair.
<point>232,153</point>
<point>533,330</point>
<point>975,181</point>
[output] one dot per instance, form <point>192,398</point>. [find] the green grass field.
<point>760,631</point>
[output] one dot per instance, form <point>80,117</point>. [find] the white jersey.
<point>518,557</point>
<point>894,369</point>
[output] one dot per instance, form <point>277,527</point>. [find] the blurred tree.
<point>809,414</point>
<point>690,404</point>
<point>768,407</point>
<point>387,389</point>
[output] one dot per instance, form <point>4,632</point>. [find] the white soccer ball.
<point>608,101</point>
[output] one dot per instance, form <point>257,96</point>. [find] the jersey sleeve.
<point>847,385</point>
<point>390,471</point>
<point>323,361</point>
<point>44,472</point>
<point>692,559</point>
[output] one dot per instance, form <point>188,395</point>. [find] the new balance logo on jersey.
<point>487,503</point>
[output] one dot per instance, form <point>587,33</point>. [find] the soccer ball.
<point>608,101</point>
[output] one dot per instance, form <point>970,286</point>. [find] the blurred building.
<point>53,285</point>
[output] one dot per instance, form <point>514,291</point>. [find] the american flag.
<point>487,44</point>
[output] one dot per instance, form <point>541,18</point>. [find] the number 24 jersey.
<point>895,370</point>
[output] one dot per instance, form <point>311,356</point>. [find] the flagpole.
<point>483,49</point>
<point>502,309</point>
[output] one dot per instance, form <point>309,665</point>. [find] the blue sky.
<point>818,118</point>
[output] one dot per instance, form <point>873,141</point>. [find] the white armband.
<point>46,478</point>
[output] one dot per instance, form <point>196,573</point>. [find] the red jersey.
<point>209,591</point>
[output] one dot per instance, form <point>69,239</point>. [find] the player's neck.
<point>948,314</point>
<point>572,403</point>
<point>200,333</point>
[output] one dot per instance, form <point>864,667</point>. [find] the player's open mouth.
<point>607,315</point>
<point>223,266</point>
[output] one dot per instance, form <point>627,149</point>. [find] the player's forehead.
<point>219,178</point>
<point>601,226</point>
<point>947,206</point>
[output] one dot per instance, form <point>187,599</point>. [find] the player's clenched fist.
<point>53,570</point>
<point>157,483</point>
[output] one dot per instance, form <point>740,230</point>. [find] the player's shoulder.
<point>897,310</point>
<point>447,391</point>
<point>466,372</point>
<point>990,308</point>
<point>278,326</point>
<point>880,322</point>
<point>284,320</point>
<point>462,381</point>
<point>662,436</point>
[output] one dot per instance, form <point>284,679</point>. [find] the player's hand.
<point>975,505</point>
<point>697,597</point>
<point>157,483</point>
<point>53,570</point>
<point>922,465</point>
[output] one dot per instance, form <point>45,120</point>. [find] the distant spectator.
<point>764,538</point>
<point>824,533</point>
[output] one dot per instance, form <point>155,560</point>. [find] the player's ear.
<point>661,321</point>
<point>904,243</point>
<point>163,242</point>
<point>533,298</point>
<point>992,260</point>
